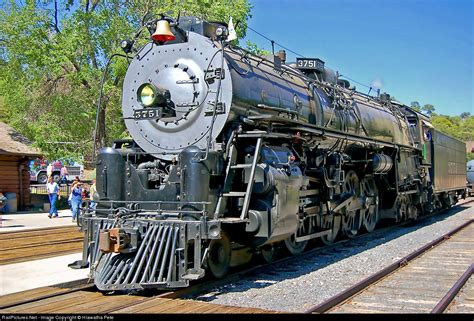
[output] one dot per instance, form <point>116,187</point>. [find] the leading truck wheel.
<point>293,247</point>
<point>268,253</point>
<point>218,260</point>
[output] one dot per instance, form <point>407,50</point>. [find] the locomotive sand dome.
<point>235,155</point>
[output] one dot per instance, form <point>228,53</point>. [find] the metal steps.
<point>232,168</point>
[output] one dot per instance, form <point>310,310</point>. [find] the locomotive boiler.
<point>234,156</point>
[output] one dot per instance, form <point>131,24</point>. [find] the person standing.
<point>76,199</point>
<point>92,191</point>
<point>53,194</point>
<point>64,174</point>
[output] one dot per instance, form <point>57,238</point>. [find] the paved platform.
<point>38,273</point>
<point>43,272</point>
<point>33,220</point>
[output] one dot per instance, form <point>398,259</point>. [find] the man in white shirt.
<point>53,193</point>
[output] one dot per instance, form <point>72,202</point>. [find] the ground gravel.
<point>296,286</point>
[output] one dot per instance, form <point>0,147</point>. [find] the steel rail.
<point>33,230</point>
<point>451,294</point>
<point>203,286</point>
<point>80,287</point>
<point>358,287</point>
<point>206,285</point>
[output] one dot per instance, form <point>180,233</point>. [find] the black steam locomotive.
<point>235,155</point>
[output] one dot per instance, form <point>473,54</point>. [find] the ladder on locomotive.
<point>232,168</point>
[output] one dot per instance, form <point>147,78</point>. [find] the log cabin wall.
<point>10,178</point>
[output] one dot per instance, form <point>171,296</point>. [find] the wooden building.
<point>15,153</point>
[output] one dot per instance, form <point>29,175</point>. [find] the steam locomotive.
<point>235,155</point>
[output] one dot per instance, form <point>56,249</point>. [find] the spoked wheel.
<point>268,253</point>
<point>403,202</point>
<point>294,247</point>
<point>370,213</point>
<point>413,212</point>
<point>333,223</point>
<point>218,260</point>
<point>351,220</point>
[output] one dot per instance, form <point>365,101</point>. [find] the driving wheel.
<point>370,213</point>
<point>294,247</point>
<point>351,219</point>
<point>333,223</point>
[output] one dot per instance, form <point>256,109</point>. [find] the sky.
<point>418,50</point>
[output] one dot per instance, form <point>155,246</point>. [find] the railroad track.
<point>75,299</point>
<point>84,298</point>
<point>426,280</point>
<point>313,251</point>
<point>27,245</point>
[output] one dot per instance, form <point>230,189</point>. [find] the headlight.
<point>147,94</point>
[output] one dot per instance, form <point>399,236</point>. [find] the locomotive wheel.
<point>268,253</point>
<point>218,260</point>
<point>402,207</point>
<point>351,223</point>
<point>370,215</point>
<point>351,220</point>
<point>294,247</point>
<point>333,223</point>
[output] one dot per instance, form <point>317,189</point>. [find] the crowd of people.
<point>78,192</point>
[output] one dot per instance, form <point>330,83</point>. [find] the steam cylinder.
<point>196,175</point>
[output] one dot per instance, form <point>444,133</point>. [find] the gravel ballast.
<point>306,281</point>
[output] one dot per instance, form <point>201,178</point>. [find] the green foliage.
<point>52,56</point>
<point>253,48</point>
<point>465,115</point>
<point>428,109</point>
<point>460,127</point>
<point>416,106</point>
<point>455,126</point>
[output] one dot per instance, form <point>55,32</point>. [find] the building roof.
<point>13,143</point>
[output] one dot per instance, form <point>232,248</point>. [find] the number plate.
<point>310,63</point>
<point>147,113</point>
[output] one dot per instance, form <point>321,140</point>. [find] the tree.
<point>253,48</point>
<point>53,55</point>
<point>428,109</point>
<point>416,106</point>
<point>465,115</point>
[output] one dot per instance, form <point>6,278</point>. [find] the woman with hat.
<point>76,198</point>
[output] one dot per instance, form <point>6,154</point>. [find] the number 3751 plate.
<point>310,63</point>
<point>147,113</point>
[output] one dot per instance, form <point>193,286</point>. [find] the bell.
<point>163,32</point>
